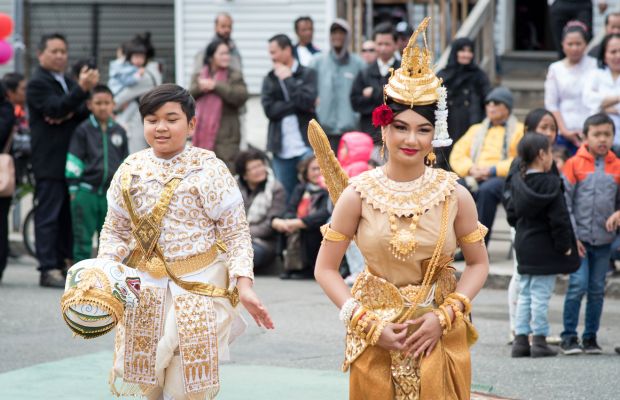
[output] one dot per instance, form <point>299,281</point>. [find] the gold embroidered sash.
<point>195,313</point>
<point>148,256</point>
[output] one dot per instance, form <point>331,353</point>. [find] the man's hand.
<point>581,249</point>
<point>613,222</point>
<point>252,303</point>
<point>574,137</point>
<point>88,78</point>
<point>282,71</point>
<point>367,92</point>
<point>58,121</point>
<point>602,6</point>
<point>480,173</point>
<point>206,85</point>
<point>293,225</point>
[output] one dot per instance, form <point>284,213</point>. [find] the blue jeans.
<point>487,197</point>
<point>355,259</point>
<point>285,170</point>
<point>588,280</point>
<point>533,303</point>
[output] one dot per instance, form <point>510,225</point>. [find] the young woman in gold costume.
<point>407,318</point>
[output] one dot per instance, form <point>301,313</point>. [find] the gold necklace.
<point>403,242</point>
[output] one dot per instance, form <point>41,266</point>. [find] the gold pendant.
<point>403,243</point>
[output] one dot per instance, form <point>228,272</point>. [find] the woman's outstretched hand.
<point>252,303</point>
<point>423,340</point>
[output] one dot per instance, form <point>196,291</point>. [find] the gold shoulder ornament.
<point>335,177</point>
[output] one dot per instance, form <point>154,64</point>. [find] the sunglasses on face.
<point>493,103</point>
<point>368,50</point>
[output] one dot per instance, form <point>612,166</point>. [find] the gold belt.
<point>155,267</point>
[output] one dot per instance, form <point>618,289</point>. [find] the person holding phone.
<point>57,105</point>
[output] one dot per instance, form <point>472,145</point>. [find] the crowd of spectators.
<point>285,197</point>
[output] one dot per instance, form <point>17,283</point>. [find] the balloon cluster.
<point>6,28</point>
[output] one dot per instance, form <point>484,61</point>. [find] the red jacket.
<point>592,194</point>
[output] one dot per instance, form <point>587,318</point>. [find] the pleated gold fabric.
<point>446,372</point>
<point>370,377</point>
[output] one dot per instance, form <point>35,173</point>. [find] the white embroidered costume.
<point>173,340</point>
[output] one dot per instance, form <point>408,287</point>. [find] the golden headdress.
<point>415,83</point>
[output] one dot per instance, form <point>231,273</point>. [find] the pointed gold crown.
<point>415,83</point>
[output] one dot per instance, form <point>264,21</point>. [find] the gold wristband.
<point>463,299</point>
<point>456,307</point>
<point>355,319</point>
<point>444,310</point>
<point>378,331</point>
<point>371,331</point>
<point>442,320</point>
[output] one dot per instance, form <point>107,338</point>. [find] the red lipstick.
<point>409,152</point>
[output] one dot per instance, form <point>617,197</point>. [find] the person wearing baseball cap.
<point>482,157</point>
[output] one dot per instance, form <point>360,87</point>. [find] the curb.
<point>501,281</point>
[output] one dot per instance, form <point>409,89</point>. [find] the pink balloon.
<point>6,51</point>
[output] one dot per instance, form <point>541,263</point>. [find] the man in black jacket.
<point>288,97</point>
<point>57,105</point>
<point>367,90</point>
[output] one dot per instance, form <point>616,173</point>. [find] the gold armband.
<point>475,236</point>
<point>332,235</point>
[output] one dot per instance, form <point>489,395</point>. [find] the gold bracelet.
<point>355,319</point>
<point>371,331</point>
<point>463,299</point>
<point>444,310</point>
<point>361,326</point>
<point>442,320</point>
<point>378,331</point>
<point>456,307</point>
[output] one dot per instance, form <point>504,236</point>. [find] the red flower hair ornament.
<point>382,116</point>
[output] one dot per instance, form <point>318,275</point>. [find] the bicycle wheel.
<point>28,233</point>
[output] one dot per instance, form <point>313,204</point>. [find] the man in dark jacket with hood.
<point>367,90</point>
<point>57,105</point>
<point>336,71</point>
<point>288,97</point>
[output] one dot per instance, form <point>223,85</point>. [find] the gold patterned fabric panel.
<point>143,329</point>
<point>400,198</point>
<point>234,230</point>
<point>405,376</point>
<point>196,321</point>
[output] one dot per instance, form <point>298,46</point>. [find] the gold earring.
<point>431,158</point>
<point>382,152</point>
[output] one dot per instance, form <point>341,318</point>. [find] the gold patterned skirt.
<point>378,374</point>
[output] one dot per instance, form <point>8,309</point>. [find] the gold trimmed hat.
<point>96,294</point>
<point>415,83</point>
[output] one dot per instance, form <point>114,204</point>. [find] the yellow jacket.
<point>490,154</point>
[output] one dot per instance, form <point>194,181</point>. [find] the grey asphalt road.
<point>308,335</point>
